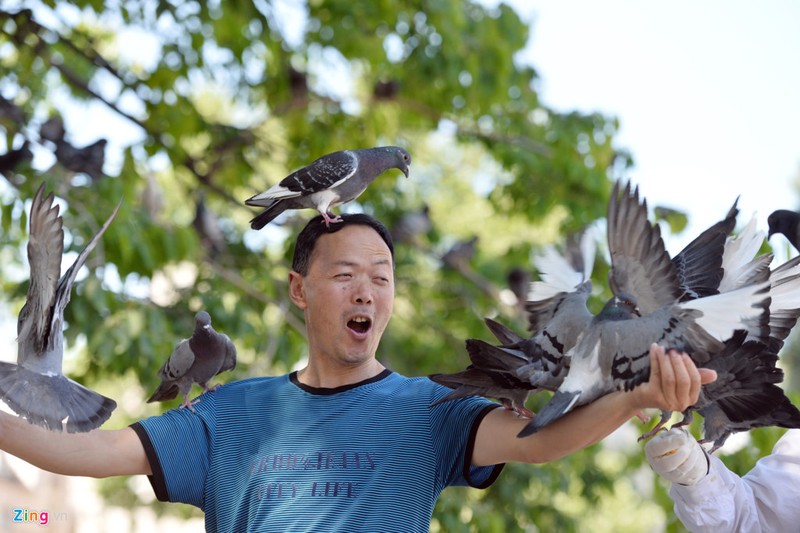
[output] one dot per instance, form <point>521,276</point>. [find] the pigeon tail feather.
<point>53,401</point>
<point>268,215</point>
<point>560,404</point>
<point>165,391</point>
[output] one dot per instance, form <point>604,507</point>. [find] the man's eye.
<point>344,275</point>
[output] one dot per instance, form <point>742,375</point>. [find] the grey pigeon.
<point>745,394</point>
<point>647,306</point>
<point>557,314</point>
<point>195,360</point>
<point>411,226</point>
<point>35,388</point>
<point>745,387</point>
<point>787,223</point>
<point>328,182</point>
<point>509,373</point>
<point>208,229</point>
<point>459,255</point>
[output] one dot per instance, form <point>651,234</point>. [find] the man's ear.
<point>296,291</point>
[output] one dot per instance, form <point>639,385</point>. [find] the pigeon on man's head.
<point>328,182</point>
<point>195,360</point>
<point>787,223</point>
<point>35,388</point>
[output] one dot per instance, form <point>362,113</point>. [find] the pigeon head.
<point>402,159</point>
<point>202,319</point>
<point>621,306</point>
<point>782,221</point>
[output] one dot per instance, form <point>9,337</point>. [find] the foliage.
<point>217,101</point>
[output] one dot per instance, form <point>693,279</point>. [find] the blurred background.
<point>518,118</point>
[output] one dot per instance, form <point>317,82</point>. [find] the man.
<point>343,444</point>
<point>709,497</point>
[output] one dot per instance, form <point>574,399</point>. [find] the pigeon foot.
<point>329,218</point>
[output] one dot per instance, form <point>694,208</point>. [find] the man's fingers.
<point>694,383</point>
<point>668,378</point>
<point>707,375</point>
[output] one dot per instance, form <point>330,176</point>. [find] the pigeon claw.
<point>329,218</point>
<point>189,404</point>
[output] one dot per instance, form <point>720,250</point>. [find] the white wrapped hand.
<point>677,457</point>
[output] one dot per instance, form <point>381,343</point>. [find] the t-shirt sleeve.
<point>177,445</point>
<point>456,424</point>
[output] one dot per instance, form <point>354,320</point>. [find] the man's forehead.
<point>353,243</point>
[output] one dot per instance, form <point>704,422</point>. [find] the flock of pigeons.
<point>717,299</point>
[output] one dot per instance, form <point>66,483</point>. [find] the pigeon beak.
<point>405,171</point>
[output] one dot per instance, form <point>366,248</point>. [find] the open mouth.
<point>359,324</point>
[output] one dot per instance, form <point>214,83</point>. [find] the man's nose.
<point>362,293</point>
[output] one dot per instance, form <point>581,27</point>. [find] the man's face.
<point>347,295</point>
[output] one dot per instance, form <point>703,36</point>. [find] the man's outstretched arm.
<point>98,453</point>
<point>674,385</point>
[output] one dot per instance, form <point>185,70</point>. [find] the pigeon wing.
<point>699,265</point>
<point>230,354</point>
<point>64,287</point>
<point>325,173</point>
<point>640,263</point>
<point>179,362</point>
<point>45,249</point>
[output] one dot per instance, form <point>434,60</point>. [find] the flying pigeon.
<point>647,306</point>
<point>746,372</point>
<point>195,360</point>
<point>787,223</point>
<point>328,182</point>
<point>35,388</point>
<point>557,314</point>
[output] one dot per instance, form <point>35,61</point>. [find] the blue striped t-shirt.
<point>271,454</point>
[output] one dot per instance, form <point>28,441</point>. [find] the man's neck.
<point>330,377</point>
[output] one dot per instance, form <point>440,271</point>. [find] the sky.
<point>707,95</point>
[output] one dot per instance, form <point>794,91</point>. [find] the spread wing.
<point>45,250</point>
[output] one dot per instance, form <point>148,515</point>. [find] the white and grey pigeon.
<point>35,388</point>
<point>328,182</point>
<point>197,359</point>
<point>557,314</point>
<point>647,306</point>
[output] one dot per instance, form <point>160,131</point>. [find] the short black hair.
<point>307,239</point>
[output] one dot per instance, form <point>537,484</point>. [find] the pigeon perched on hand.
<point>35,388</point>
<point>195,360</point>
<point>787,223</point>
<point>328,182</point>
<point>647,306</point>
<point>557,314</point>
